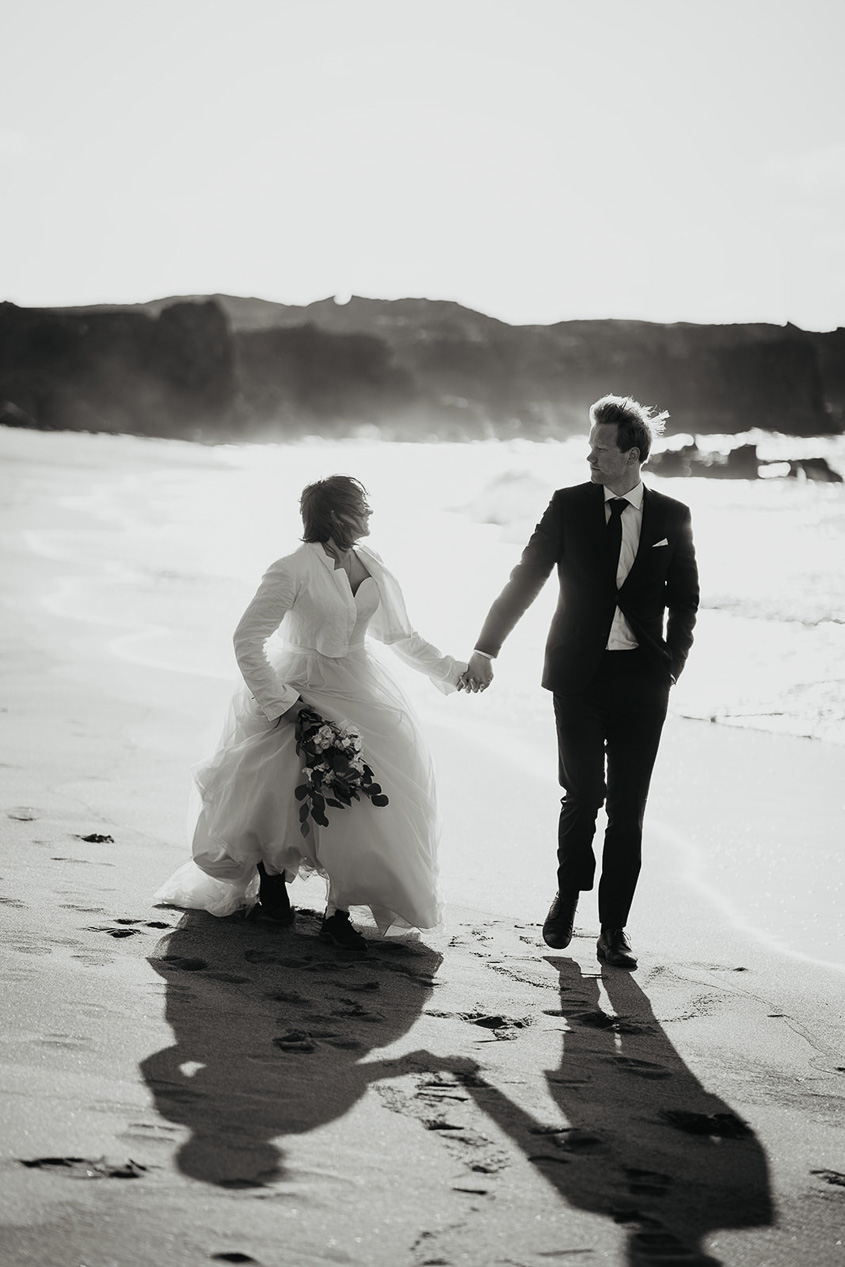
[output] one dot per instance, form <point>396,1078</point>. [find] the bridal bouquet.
<point>335,771</point>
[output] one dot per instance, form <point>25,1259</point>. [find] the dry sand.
<point>177,1089</point>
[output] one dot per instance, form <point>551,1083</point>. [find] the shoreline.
<point>466,1097</point>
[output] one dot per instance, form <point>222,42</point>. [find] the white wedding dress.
<point>384,858</point>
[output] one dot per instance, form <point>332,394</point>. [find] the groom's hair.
<point>323,505</point>
<point>637,425</point>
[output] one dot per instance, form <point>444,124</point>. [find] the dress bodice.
<point>366,602</point>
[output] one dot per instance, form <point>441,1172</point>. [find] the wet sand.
<point>185,1090</point>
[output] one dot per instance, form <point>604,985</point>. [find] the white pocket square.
<point>664,542</point>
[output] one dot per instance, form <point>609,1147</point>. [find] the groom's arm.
<point>682,597</point>
<point>526,580</point>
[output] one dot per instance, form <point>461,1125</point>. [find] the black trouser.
<point>618,717</point>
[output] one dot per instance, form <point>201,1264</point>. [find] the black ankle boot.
<point>338,930</point>
<point>273,897</point>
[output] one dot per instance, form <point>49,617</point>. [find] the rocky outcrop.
<point>474,375</point>
<point>119,370</point>
<point>238,368</point>
<point>739,463</point>
<point>312,380</point>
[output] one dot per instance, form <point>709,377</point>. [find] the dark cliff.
<point>119,370</point>
<point>229,367</point>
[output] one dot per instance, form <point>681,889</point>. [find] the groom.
<point>625,559</point>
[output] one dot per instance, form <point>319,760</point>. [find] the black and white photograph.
<point>422,655</point>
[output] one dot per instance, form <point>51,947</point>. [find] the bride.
<point>301,643</point>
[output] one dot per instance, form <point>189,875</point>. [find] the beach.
<point>188,1090</point>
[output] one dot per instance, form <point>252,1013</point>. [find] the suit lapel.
<point>651,517</point>
<point>596,521</point>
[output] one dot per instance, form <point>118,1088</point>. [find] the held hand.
<point>292,714</point>
<point>479,673</point>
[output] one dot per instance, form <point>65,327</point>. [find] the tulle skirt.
<point>384,858</point>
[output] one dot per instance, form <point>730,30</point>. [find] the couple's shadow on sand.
<point>273,1031</point>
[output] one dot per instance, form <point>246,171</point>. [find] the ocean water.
<point>176,536</point>
<point>161,544</point>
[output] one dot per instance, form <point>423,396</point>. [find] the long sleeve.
<point>392,626</point>
<point>526,580</point>
<point>274,597</point>
<point>443,670</point>
<point>682,597</point>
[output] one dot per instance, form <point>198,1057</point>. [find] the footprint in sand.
<point>500,1028</point>
<point>285,996</point>
<point>234,1257</point>
<point>304,1042</point>
<point>295,1040</point>
<point>647,1183</point>
<point>654,1243</point>
<point>639,1068</point>
<point>833,1177</point>
<point>474,1150</point>
<point>150,1132</point>
<point>185,963</point>
<point>81,862</point>
<point>352,1009</point>
<point>70,1041</point>
<point>596,1019</point>
<point>255,955</point>
<point>153,923</point>
<point>83,1168</point>
<point>714,1125</point>
<point>569,1139</point>
<point>112,931</point>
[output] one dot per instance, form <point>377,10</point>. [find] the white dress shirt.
<point>621,637</point>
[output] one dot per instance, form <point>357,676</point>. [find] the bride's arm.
<point>392,626</point>
<point>444,670</point>
<point>275,596</point>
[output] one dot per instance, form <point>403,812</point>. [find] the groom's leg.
<point>634,728</point>
<point>580,721</point>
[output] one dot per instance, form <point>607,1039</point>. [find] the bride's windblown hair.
<point>328,504</point>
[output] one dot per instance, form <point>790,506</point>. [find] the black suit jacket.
<point>571,536</point>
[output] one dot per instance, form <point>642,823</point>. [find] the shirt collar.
<point>325,559</point>
<point>634,496</point>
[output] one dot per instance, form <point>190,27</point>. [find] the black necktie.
<point>614,533</point>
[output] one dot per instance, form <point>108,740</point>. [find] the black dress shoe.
<point>337,929</point>
<point>614,948</point>
<point>557,930</point>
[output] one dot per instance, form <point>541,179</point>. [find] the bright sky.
<point>535,159</point>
